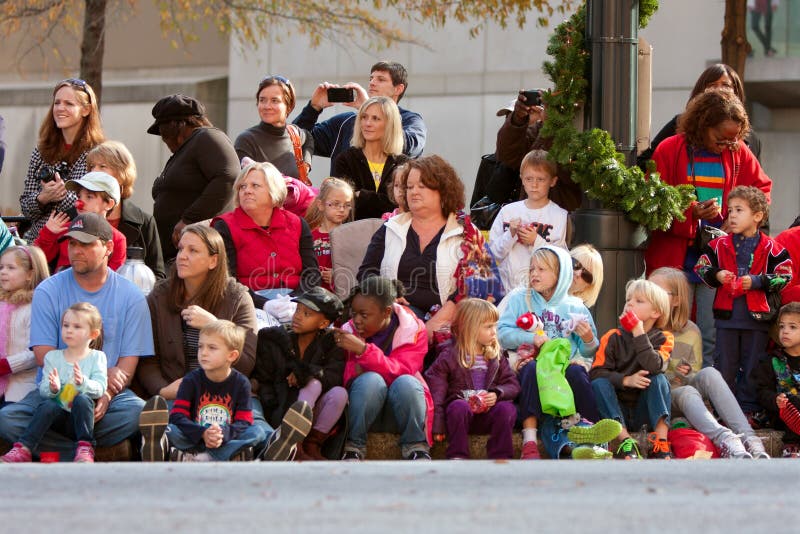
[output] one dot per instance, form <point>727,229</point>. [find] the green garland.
<point>591,156</point>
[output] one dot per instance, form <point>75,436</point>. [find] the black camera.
<point>47,173</point>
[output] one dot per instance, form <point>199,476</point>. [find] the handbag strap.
<point>302,166</point>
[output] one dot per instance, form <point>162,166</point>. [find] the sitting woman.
<point>269,249</point>
<point>422,247</point>
<point>197,292</point>
<point>375,151</point>
<point>385,345</point>
<point>287,147</point>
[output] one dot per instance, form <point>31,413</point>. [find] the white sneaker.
<point>755,447</point>
<point>731,446</point>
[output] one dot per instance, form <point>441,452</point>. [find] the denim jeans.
<point>381,408</point>
<point>252,436</point>
<point>120,422</point>
<point>652,405</point>
<point>578,380</point>
<point>78,424</point>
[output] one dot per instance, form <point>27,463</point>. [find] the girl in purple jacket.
<point>472,384</point>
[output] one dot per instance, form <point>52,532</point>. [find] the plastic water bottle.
<point>135,270</point>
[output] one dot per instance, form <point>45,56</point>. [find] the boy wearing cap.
<point>98,193</point>
<point>304,364</point>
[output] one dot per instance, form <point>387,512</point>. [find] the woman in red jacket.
<point>270,250</point>
<point>708,153</point>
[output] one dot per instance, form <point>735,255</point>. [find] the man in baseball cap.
<point>88,228</point>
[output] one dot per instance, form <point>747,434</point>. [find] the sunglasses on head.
<point>79,84</point>
<point>586,276</point>
<point>284,81</point>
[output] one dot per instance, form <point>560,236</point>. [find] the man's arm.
<point>414,134</point>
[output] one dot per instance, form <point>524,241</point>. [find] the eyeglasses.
<point>339,205</point>
<point>284,81</point>
<point>80,84</point>
<point>586,276</point>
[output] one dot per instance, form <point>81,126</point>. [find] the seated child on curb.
<point>744,266</point>
<point>212,417</point>
<point>523,226</point>
<point>473,386</point>
<point>72,379</point>
<point>97,193</point>
<point>304,364</point>
<point>628,372</point>
<point>777,380</point>
<point>692,385</point>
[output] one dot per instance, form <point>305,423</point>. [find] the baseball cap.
<point>96,181</point>
<point>321,300</point>
<point>88,228</point>
<point>174,107</point>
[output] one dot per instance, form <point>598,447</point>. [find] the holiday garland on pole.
<point>591,156</point>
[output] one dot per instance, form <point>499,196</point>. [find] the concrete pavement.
<point>461,496</point>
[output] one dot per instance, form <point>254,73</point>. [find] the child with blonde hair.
<point>692,385</point>
<point>332,207</point>
<point>628,377</point>
<point>72,379</point>
<point>21,270</point>
<point>472,384</point>
<point>587,273</point>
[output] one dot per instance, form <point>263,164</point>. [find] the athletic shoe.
<point>84,454</point>
<point>245,454</point>
<point>659,448</point>
<point>755,447</point>
<point>419,455</point>
<point>591,452</point>
<point>352,456</point>
<point>731,446</point>
<point>19,453</point>
<point>601,432</point>
<point>628,450</point>
<point>152,424</point>
<point>530,451</point>
<point>295,426</point>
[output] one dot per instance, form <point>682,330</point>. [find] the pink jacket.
<point>409,346</point>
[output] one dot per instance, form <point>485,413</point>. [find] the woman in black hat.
<point>197,180</point>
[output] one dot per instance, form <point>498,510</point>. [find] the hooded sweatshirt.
<point>557,314</point>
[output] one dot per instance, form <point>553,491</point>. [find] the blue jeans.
<point>578,380</point>
<point>120,422</point>
<point>253,436</point>
<point>652,405</point>
<point>404,412</point>
<point>77,424</point>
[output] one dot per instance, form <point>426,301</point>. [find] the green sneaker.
<point>591,452</point>
<point>628,450</point>
<point>603,431</point>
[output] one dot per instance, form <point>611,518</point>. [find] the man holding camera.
<point>331,137</point>
<point>519,134</point>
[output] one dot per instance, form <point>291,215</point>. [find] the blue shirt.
<point>127,330</point>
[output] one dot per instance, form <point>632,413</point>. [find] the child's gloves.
<point>282,308</point>
<point>531,323</point>
<point>628,320</point>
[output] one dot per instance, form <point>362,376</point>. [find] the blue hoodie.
<point>555,314</point>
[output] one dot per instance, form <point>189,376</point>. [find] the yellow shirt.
<point>377,171</point>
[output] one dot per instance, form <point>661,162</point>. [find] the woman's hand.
<point>53,191</point>
<point>197,317</point>
<point>77,375</point>
<point>55,383</point>
<point>708,210</point>
<point>57,222</point>
<point>349,342</point>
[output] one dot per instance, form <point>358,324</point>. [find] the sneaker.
<point>84,454</point>
<point>628,450</point>
<point>790,450</point>
<point>530,451</point>
<point>352,456</point>
<point>295,426</point>
<point>755,447</point>
<point>419,455</point>
<point>177,455</point>
<point>152,424</point>
<point>758,420</point>
<point>245,454</point>
<point>731,446</point>
<point>591,452</point>
<point>601,432</point>
<point>19,453</point>
<point>659,448</point>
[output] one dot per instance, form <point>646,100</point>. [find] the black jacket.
<point>370,204</point>
<point>277,357</point>
<point>139,229</point>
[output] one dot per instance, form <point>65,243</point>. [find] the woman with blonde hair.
<point>587,274</point>
<point>375,150</point>
<point>67,133</point>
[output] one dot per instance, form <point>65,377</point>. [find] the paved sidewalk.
<point>472,497</point>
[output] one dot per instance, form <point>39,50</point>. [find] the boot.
<point>313,444</point>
